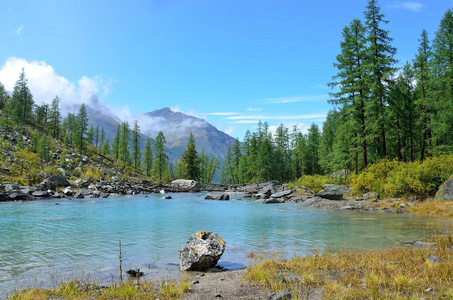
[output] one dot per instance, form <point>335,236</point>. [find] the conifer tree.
<point>116,143</point>
<point>44,148</point>
<point>380,65</point>
<point>136,152</point>
<point>124,153</point>
<point>160,157</point>
<point>422,74</point>
<point>90,135</point>
<point>191,160</point>
<point>22,100</point>
<point>55,117</point>
<point>82,127</point>
<point>148,156</point>
<point>442,84</point>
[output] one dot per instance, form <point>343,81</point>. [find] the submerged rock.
<point>202,251</point>
<point>217,196</point>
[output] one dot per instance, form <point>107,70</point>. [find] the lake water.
<point>42,243</point>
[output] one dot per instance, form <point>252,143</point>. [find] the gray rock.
<point>167,197</point>
<point>25,191</point>
<point>58,180</point>
<point>424,244</point>
<point>282,194</point>
<point>310,201</point>
<point>270,201</point>
<point>414,198</point>
<point>146,181</point>
<point>434,258</point>
<point>68,192</point>
<point>186,184</point>
<point>202,251</point>
<point>217,196</point>
<point>282,295</point>
<point>268,189</point>
<point>19,196</point>
<point>445,192</point>
<point>333,193</point>
<point>41,194</point>
<point>79,195</point>
<point>12,187</point>
<point>349,207</point>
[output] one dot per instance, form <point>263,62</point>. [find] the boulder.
<point>41,194</point>
<point>167,197</point>
<point>144,181</point>
<point>68,192</point>
<point>186,184</point>
<point>19,196</point>
<point>217,196</point>
<point>445,192</point>
<point>12,187</point>
<point>202,251</point>
<point>268,189</point>
<point>282,194</point>
<point>270,201</point>
<point>333,193</point>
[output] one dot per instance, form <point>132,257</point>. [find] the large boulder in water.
<point>445,192</point>
<point>331,193</point>
<point>186,184</point>
<point>217,196</point>
<point>202,251</point>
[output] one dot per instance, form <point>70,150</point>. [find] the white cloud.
<point>244,122</point>
<point>278,117</point>
<point>222,114</point>
<point>407,5</point>
<point>302,127</point>
<point>229,130</point>
<point>19,29</point>
<point>305,98</point>
<point>45,83</point>
<point>254,109</point>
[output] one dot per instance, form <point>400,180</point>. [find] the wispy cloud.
<point>254,109</point>
<point>278,117</point>
<point>18,30</point>
<point>320,86</point>
<point>305,98</point>
<point>407,5</point>
<point>223,114</point>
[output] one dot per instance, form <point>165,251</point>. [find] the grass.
<point>395,273</point>
<point>74,290</point>
<point>433,208</point>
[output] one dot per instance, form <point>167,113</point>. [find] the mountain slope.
<point>177,127</point>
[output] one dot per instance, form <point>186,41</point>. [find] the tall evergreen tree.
<point>124,153</point>
<point>136,152</point>
<point>148,156</point>
<point>442,84</point>
<point>55,117</point>
<point>22,100</point>
<point>160,157</point>
<point>191,160</point>
<point>380,64</point>
<point>82,127</point>
<point>116,143</point>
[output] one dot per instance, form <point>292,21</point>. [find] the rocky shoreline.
<point>332,197</point>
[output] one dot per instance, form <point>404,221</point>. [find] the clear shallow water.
<point>42,243</point>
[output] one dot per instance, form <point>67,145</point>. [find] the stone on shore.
<point>217,196</point>
<point>186,184</point>
<point>282,194</point>
<point>331,193</point>
<point>202,251</point>
<point>270,201</point>
<point>445,192</point>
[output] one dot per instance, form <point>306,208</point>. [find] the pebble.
<point>195,282</point>
<point>429,290</point>
<point>217,295</point>
<point>434,258</point>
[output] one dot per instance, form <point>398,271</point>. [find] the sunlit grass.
<point>395,273</point>
<point>433,208</point>
<point>74,290</point>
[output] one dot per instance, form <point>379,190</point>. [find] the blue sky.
<point>231,62</point>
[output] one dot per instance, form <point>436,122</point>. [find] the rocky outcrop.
<point>331,193</point>
<point>186,184</point>
<point>282,194</point>
<point>445,192</point>
<point>217,196</point>
<point>270,201</point>
<point>202,251</point>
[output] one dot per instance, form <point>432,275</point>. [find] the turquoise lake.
<point>42,243</point>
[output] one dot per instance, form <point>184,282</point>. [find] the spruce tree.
<point>124,153</point>
<point>82,127</point>
<point>191,160</point>
<point>22,100</point>
<point>55,117</point>
<point>136,152</point>
<point>116,143</point>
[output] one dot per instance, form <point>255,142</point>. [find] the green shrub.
<point>314,182</point>
<point>398,179</point>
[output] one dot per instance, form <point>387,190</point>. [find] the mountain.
<point>177,127</point>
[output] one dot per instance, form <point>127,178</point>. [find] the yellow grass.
<point>395,273</point>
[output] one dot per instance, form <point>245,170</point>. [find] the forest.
<point>379,112</point>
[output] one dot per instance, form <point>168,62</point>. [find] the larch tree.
<point>160,157</point>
